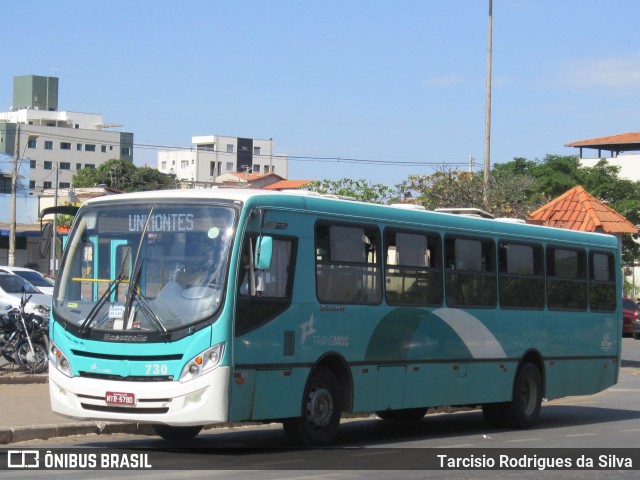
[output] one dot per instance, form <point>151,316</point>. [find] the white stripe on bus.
<point>477,338</point>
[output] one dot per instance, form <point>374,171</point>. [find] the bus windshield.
<point>144,267</point>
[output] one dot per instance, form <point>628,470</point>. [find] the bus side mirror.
<point>264,250</point>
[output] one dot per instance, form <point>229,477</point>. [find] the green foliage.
<point>360,190</point>
<point>125,176</point>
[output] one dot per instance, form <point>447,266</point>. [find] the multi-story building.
<point>215,155</point>
<point>57,144</point>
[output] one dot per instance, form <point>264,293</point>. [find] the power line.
<point>389,161</point>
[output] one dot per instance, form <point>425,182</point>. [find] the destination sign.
<point>162,222</point>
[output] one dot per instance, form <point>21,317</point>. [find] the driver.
<point>189,294</point>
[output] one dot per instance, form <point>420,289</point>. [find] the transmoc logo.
<point>306,330</point>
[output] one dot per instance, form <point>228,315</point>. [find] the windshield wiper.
<point>133,285</point>
<point>113,285</point>
<point>149,313</point>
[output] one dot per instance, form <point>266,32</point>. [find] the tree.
<point>123,175</point>
<point>360,190</point>
<point>510,194</point>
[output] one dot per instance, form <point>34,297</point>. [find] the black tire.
<point>9,349</point>
<point>9,357</point>
<point>35,361</point>
<point>177,433</point>
<point>523,409</point>
<point>405,415</point>
<point>321,410</point>
<point>636,335</point>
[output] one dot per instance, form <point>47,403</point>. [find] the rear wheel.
<point>523,409</point>
<point>177,433</point>
<point>321,411</point>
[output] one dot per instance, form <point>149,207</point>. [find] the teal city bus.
<point>187,308</point>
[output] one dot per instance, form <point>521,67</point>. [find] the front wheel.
<point>321,411</point>
<point>176,433</point>
<point>33,360</point>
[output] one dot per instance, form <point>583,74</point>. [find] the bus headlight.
<point>202,363</point>
<point>59,359</point>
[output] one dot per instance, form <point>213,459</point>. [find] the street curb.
<point>23,379</point>
<point>43,432</point>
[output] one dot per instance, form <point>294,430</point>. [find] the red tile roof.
<point>623,142</point>
<point>578,210</point>
<point>288,184</point>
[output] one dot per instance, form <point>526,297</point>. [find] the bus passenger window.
<point>566,279</point>
<point>347,264</point>
<point>521,281</point>
<point>413,272</point>
<point>602,282</point>
<point>470,278</point>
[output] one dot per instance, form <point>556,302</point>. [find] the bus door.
<point>120,255</point>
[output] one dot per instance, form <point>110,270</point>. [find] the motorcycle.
<point>25,338</point>
<point>9,335</point>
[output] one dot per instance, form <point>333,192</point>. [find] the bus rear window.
<point>602,282</point>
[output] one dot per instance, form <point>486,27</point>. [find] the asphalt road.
<point>369,447</point>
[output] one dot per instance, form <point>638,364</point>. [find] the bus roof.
<point>342,206</point>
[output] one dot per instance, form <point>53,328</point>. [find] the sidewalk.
<point>25,411</point>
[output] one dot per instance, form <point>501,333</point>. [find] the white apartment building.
<point>57,144</point>
<point>214,155</point>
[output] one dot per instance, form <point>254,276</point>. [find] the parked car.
<point>629,315</point>
<point>11,289</point>
<point>38,280</point>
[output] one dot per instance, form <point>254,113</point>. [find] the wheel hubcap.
<point>320,407</point>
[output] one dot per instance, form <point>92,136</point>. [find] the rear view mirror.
<point>264,250</point>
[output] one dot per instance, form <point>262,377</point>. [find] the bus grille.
<point>132,378</point>
<point>138,358</point>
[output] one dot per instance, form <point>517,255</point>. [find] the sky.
<point>376,90</point>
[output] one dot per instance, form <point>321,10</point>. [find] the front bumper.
<point>201,401</point>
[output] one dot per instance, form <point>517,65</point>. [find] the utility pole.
<point>11,260</point>
<point>487,128</point>
<point>55,227</point>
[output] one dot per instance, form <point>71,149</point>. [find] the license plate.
<point>120,398</point>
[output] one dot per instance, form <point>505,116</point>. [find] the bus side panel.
<point>267,394</point>
<point>430,385</point>
<point>272,395</point>
<point>391,382</point>
<point>567,377</point>
<point>486,382</point>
